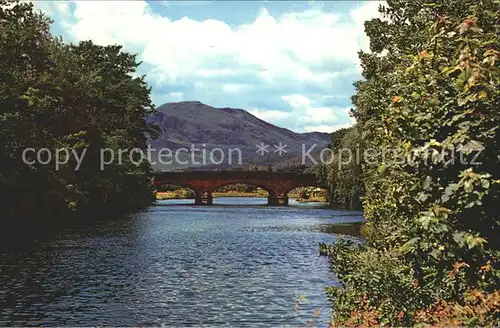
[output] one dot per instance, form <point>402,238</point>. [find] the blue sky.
<point>291,63</point>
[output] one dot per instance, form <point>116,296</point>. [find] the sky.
<point>291,63</point>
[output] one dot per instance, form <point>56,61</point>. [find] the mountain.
<point>226,138</point>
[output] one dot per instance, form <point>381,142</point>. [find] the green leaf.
<point>409,245</point>
<point>453,71</point>
<point>468,186</point>
<point>427,183</point>
<point>485,183</point>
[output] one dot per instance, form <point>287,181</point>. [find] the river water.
<point>175,265</point>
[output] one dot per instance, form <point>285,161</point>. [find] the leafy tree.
<point>343,175</point>
<point>430,91</point>
<point>59,96</point>
<point>337,137</point>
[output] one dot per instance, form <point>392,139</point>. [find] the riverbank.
<point>353,229</point>
<point>312,199</point>
<point>177,195</point>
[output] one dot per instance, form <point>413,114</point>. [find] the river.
<point>175,265</point>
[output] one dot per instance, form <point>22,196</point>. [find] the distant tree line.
<point>75,96</point>
<point>239,187</point>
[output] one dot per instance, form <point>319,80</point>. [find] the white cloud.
<point>233,87</point>
<point>214,72</point>
<point>367,11</point>
<point>334,126</point>
<point>290,48</point>
<point>63,8</point>
<point>306,109</point>
<point>276,46</point>
<point>297,100</point>
<point>320,114</point>
<point>177,96</point>
<point>319,128</point>
<point>269,115</point>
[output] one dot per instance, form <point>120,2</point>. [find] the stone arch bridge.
<point>203,183</point>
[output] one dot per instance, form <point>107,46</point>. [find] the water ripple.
<point>174,266</point>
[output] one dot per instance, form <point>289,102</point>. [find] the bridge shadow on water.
<point>289,218</point>
<point>240,202</point>
<point>315,206</point>
<point>251,202</point>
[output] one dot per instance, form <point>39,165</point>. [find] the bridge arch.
<point>163,186</point>
<point>243,182</point>
<point>167,187</point>
<point>268,192</point>
<point>315,193</point>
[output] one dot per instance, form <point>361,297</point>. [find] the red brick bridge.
<point>203,183</point>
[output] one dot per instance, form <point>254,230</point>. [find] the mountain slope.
<point>191,123</point>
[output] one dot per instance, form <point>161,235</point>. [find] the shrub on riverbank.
<point>181,193</point>
<point>309,194</point>
<point>430,87</point>
<point>82,97</point>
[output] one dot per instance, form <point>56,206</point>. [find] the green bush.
<point>303,193</point>
<point>187,193</point>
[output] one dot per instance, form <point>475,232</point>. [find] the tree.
<point>59,96</point>
<point>24,67</point>
<point>344,175</point>
<point>429,94</point>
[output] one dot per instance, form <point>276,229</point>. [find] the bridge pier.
<point>273,200</point>
<point>204,199</point>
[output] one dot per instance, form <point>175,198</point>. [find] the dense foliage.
<point>430,94</point>
<point>343,172</point>
<point>78,97</point>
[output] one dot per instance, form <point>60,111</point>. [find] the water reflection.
<point>174,265</point>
